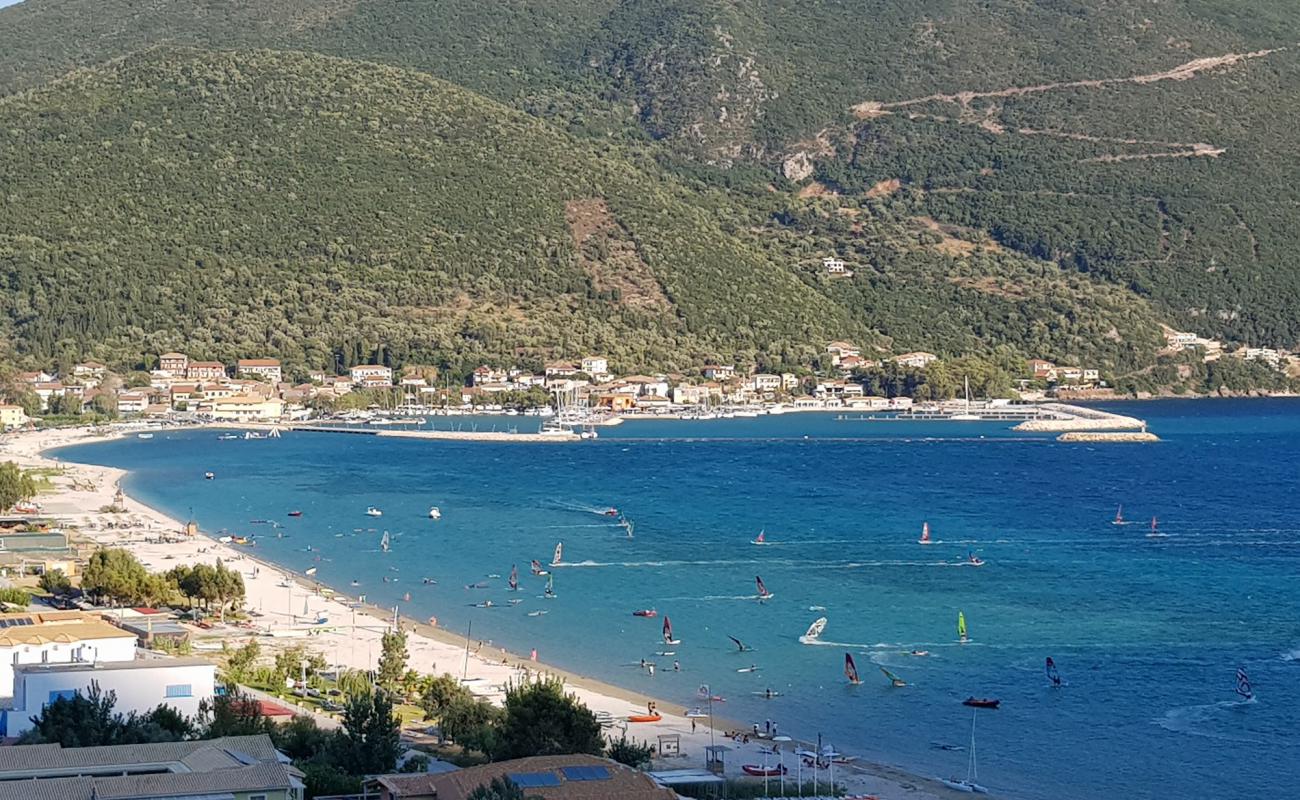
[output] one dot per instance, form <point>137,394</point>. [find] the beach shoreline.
<point>276,592</point>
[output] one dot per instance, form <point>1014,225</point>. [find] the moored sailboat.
<point>969,783</point>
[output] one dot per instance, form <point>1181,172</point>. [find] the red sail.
<point>850,669</point>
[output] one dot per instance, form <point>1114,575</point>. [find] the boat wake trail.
<point>1294,655</point>
<point>712,597</point>
<point>1194,720</point>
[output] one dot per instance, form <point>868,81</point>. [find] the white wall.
<point>138,689</point>
<point>119,648</point>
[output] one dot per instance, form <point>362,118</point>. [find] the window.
<point>257,797</point>
<point>65,693</point>
<point>181,690</point>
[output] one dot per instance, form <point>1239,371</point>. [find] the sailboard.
<point>513,582</point>
<point>1052,674</point>
<point>760,539</point>
<point>763,593</point>
<point>925,534</point>
<point>894,680</point>
<point>741,646</point>
<point>550,587</point>
<point>668,632</point>
<point>1244,689</point>
<point>559,554</point>
<point>1155,532</point>
<point>851,669</point>
<point>537,568</point>
<point>384,543</point>
<point>814,631</point>
<point>1119,517</point>
<point>961,627</point>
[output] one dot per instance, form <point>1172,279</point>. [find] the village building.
<point>596,366</point>
<point>266,368</point>
<point>916,360</point>
<point>486,374</point>
<point>719,372</point>
<point>1042,370</point>
<point>836,267</point>
<point>226,768</point>
<point>58,637</point>
<point>205,371</point>
<point>245,407</point>
<point>1181,340</point>
<point>561,369</point>
<point>48,389</point>
<point>174,364</point>
<point>12,417</point>
<point>371,375</point>
<point>766,383</point>
<point>564,777</point>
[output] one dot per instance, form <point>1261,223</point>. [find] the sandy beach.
<point>290,604</point>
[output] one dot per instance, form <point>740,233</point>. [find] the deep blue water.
<point>1146,631</point>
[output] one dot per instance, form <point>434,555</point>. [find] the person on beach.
<point>692,724</point>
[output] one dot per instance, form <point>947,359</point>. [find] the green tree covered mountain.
<point>1049,179</point>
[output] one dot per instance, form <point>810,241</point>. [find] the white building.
<point>58,637</point>
<point>595,366</point>
<point>140,685</point>
<point>268,368</point>
<point>719,372</point>
<point>918,360</point>
<point>367,373</point>
<point>245,407</point>
<point>836,266</point>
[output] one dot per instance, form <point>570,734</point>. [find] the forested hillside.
<point>1048,178</point>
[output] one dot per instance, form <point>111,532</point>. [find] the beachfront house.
<point>227,768</point>
<point>245,407</point>
<point>140,685</point>
<point>12,417</point>
<point>58,637</point>
<point>266,368</point>
<point>766,383</point>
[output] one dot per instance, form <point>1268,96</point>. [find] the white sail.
<point>384,542</point>
<point>559,554</point>
<point>814,631</point>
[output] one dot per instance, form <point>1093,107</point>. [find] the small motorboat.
<point>645,718</point>
<point>611,512</point>
<point>763,772</point>
<point>981,702</point>
<point>144,435</point>
<point>295,513</point>
<point>207,476</point>
<point>697,713</point>
<point>645,612</point>
<point>225,437</point>
<point>435,512</point>
<point>371,511</point>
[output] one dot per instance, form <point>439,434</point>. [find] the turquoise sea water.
<point>1147,632</point>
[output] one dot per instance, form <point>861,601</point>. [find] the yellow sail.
<point>961,624</point>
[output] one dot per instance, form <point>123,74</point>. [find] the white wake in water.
<point>1195,720</point>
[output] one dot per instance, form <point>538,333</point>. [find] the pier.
<point>463,436</point>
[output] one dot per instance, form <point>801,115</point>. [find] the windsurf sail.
<point>961,626</point>
<point>762,538</point>
<point>668,630</point>
<point>1052,674</point>
<point>851,669</point>
<point>762,590</point>
<point>383,543</point>
<point>925,534</point>
<point>1119,515</point>
<point>739,644</point>
<point>893,679</point>
<point>1153,525</point>
<point>513,583</point>
<point>537,568</point>
<point>559,554</point>
<point>814,630</point>
<point>1244,688</point>
<point>550,585</point>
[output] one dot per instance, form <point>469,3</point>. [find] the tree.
<point>369,741</point>
<point>392,660</point>
<point>498,789</point>
<point>117,575</point>
<point>242,660</point>
<point>471,723</point>
<point>233,713</point>
<point>88,720</point>
<point>541,720</point>
<point>15,485</point>
<point>300,738</point>
<point>437,693</point>
<point>327,779</point>
<point>627,751</point>
<point>55,582</point>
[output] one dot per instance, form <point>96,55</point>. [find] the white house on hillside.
<point>58,637</point>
